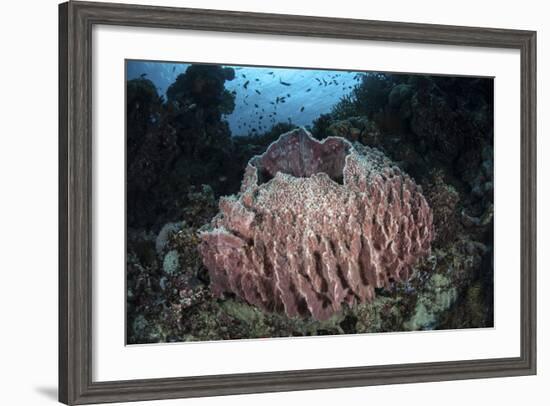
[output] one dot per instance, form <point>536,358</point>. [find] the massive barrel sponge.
<point>316,224</point>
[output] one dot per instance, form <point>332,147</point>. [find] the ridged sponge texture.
<point>315,225</point>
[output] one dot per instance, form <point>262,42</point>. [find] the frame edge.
<point>528,58</point>
<point>64,367</point>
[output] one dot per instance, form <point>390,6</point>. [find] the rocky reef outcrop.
<point>176,142</point>
<point>316,224</point>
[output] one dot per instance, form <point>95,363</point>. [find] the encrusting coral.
<point>316,225</point>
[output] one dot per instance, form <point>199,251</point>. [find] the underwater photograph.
<point>267,202</point>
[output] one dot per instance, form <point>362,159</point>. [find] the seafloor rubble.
<point>182,159</point>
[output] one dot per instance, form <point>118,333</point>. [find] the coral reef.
<point>446,291</point>
<point>355,129</point>
<point>444,200</point>
<point>182,157</point>
<point>177,143</point>
<point>316,225</point>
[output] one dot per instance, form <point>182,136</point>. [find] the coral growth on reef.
<point>177,142</point>
<point>316,225</point>
<point>443,200</point>
<point>182,156</point>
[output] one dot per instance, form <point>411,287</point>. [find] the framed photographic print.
<point>258,202</point>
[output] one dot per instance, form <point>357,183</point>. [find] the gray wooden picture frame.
<point>76,20</point>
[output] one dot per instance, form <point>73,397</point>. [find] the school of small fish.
<point>273,90</point>
<point>266,96</point>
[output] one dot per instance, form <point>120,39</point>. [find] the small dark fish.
<point>284,83</point>
<point>325,82</point>
<point>270,73</point>
<point>256,105</point>
<point>308,90</point>
<point>243,75</point>
<point>173,68</point>
<point>257,80</point>
<point>234,92</point>
<point>143,75</point>
<point>288,95</point>
<point>261,117</point>
<point>335,82</point>
<point>257,91</point>
<point>272,103</point>
<point>318,80</point>
<point>302,109</point>
<point>246,84</point>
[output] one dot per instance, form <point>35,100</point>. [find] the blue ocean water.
<point>264,95</point>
